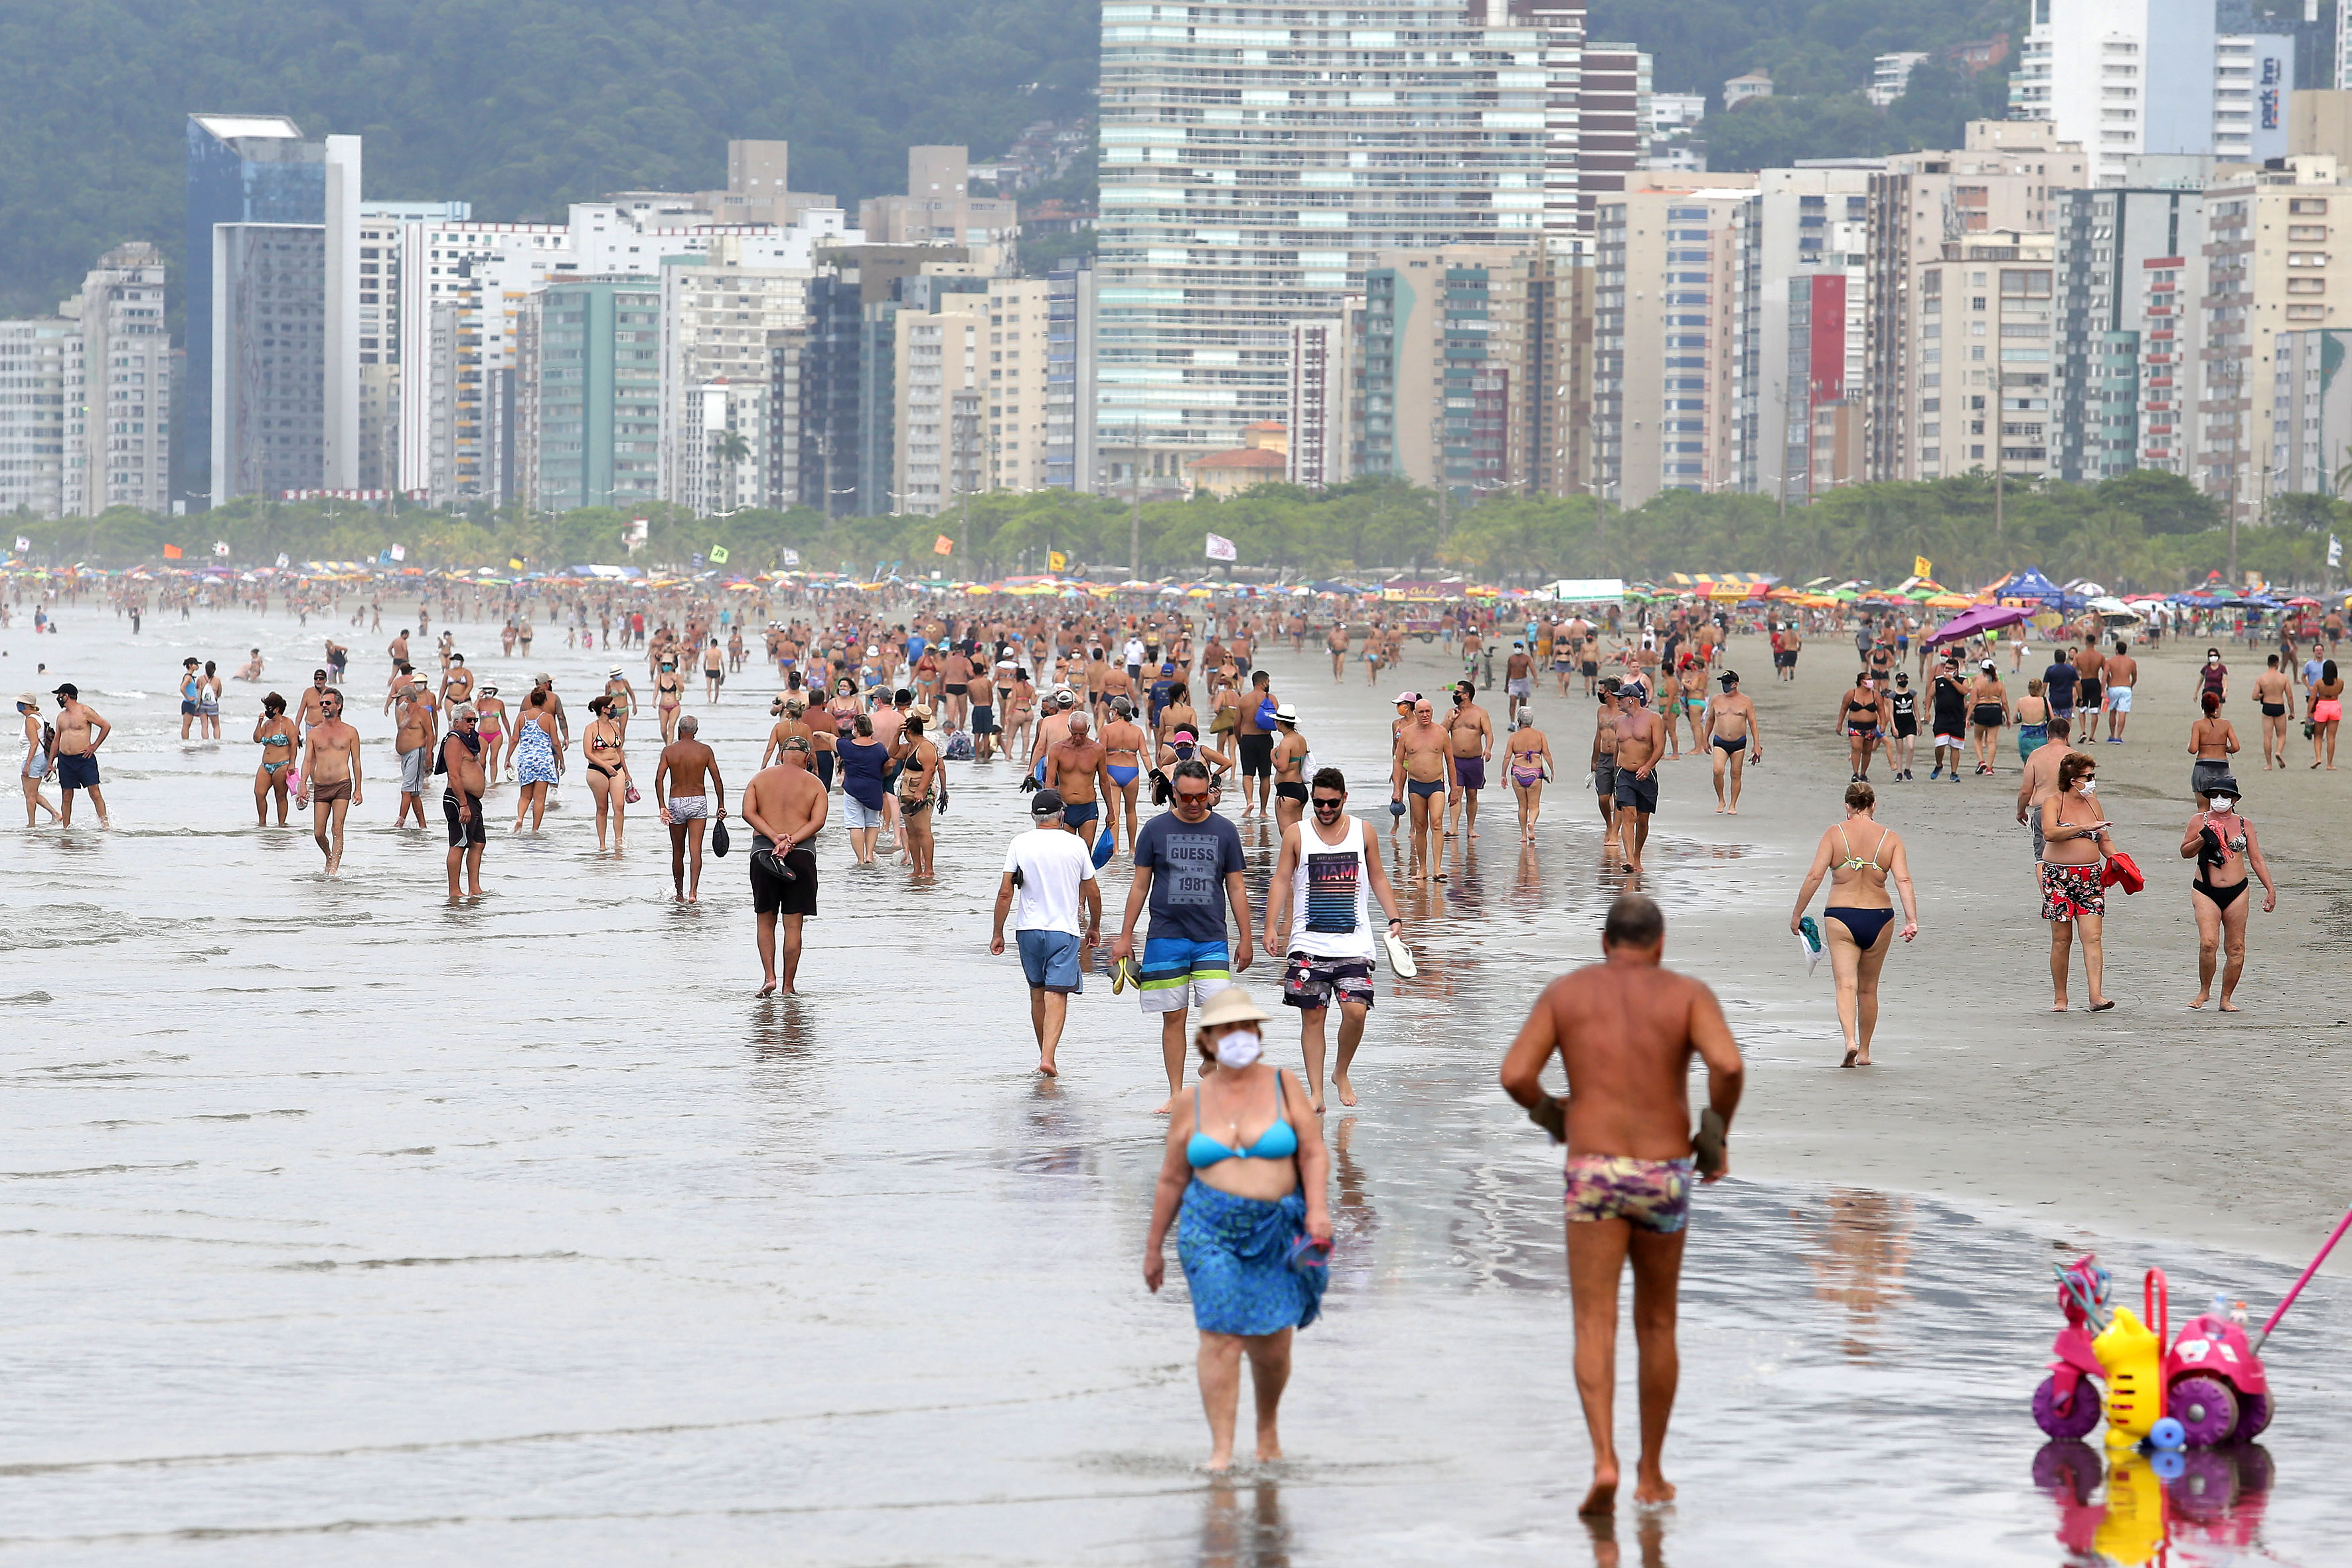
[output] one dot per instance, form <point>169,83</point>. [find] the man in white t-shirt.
<point>1052,871</point>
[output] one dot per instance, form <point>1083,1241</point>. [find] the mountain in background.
<point>518,108</point>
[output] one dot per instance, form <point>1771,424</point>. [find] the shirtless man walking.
<point>1625,1030</point>
<point>330,778</point>
<point>1338,644</point>
<point>786,808</point>
<point>1638,744</point>
<point>1518,680</point>
<point>2272,697</point>
<point>413,742</point>
<point>2122,674</point>
<point>687,805</point>
<point>1604,767</point>
<point>461,799</point>
<point>81,732</point>
<point>1419,766</point>
<point>1470,733</point>
<point>1726,730</point>
<point>1078,766</point>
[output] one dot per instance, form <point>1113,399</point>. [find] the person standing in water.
<point>1625,1030</point>
<point>274,733</point>
<point>331,777</point>
<point>1859,914</point>
<point>1728,728</point>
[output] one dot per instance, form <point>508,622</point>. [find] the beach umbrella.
<point>2303,602</point>
<point>1975,619</point>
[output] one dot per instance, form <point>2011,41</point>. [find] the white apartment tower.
<point>2123,77</point>
<point>1252,161</point>
<point>41,417</point>
<point>126,405</point>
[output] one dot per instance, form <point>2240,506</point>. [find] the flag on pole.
<point>943,545</point>
<point>399,553</point>
<point>1221,549</point>
<point>172,553</point>
<point>382,557</point>
<point>2334,550</point>
<point>220,546</point>
<point>25,543</point>
<point>1922,567</point>
<point>514,564</point>
<point>1055,560</point>
<point>283,561</point>
<point>719,555</point>
<point>791,557</point>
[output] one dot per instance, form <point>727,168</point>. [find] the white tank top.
<point>1330,896</point>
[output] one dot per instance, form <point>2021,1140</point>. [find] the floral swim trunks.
<point>2070,892</point>
<point>1650,1195</point>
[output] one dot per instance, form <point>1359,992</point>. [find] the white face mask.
<point>2222,802</point>
<point>2089,786</point>
<point>1238,1050</point>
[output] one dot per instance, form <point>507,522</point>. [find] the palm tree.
<point>728,449</point>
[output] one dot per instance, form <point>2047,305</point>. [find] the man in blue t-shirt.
<point>2058,684</point>
<point>1188,868</point>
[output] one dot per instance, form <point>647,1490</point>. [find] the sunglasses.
<point>1323,805</point>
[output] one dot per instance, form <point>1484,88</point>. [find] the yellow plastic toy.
<point>2132,1355</point>
<point>2132,1530</point>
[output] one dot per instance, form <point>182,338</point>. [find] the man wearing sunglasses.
<point>1188,868</point>
<point>331,777</point>
<point>1326,880</point>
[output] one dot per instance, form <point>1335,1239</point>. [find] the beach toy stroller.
<point>2208,1388</point>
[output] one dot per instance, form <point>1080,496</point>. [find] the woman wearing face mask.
<point>2327,713</point>
<point>2214,678</point>
<point>1245,1191</point>
<point>2074,841</point>
<point>2225,848</point>
<point>2211,740</point>
<point>668,693</point>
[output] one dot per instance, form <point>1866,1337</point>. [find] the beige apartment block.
<point>2277,261</point>
<point>717,318</point>
<point>1669,285</point>
<point>2002,181</point>
<point>1015,385</point>
<point>1979,397</point>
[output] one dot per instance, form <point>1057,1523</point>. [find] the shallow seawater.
<point>343,1221</point>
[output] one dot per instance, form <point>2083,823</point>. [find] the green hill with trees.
<point>518,108</point>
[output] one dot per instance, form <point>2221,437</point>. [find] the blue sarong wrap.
<point>1236,1258</point>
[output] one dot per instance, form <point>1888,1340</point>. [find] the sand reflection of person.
<point>1859,912</point>
<point>1861,1256</point>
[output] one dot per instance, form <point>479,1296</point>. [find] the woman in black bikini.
<point>1859,717</point>
<point>2225,848</point>
<point>608,771</point>
<point>1860,859</point>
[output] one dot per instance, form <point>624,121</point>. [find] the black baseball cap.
<point>1045,803</point>
<point>67,690</point>
<point>1730,678</point>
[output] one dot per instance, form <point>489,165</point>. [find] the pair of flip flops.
<point>1124,974</point>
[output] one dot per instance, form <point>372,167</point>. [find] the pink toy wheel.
<point>2255,1412</point>
<point>2081,1414</point>
<point>2206,1407</point>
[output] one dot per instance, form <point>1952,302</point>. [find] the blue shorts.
<point>1050,959</point>
<point>1177,969</point>
<point>1077,811</point>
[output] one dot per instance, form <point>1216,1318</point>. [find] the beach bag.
<point>1266,712</point>
<point>1226,721</point>
<point>719,836</point>
<point>2122,871</point>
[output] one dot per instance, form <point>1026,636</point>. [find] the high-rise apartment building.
<point>2004,181</point>
<point>41,417</point>
<point>1070,338</point>
<point>1672,268</point>
<point>2254,80</point>
<point>2311,410</point>
<point>1462,363</point>
<point>2108,240</point>
<point>2275,265</point>
<point>2169,369</point>
<point>1810,318</point>
<point>2122,78</point>
<point>125,415</point>
<point>269,369</point>
<point>719,319</point>
<point>1253,162</point>
<point>1019,386</point>
<point>588,392</point>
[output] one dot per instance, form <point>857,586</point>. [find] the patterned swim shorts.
<point>1649,1194</point>
<point>2070,892</point>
